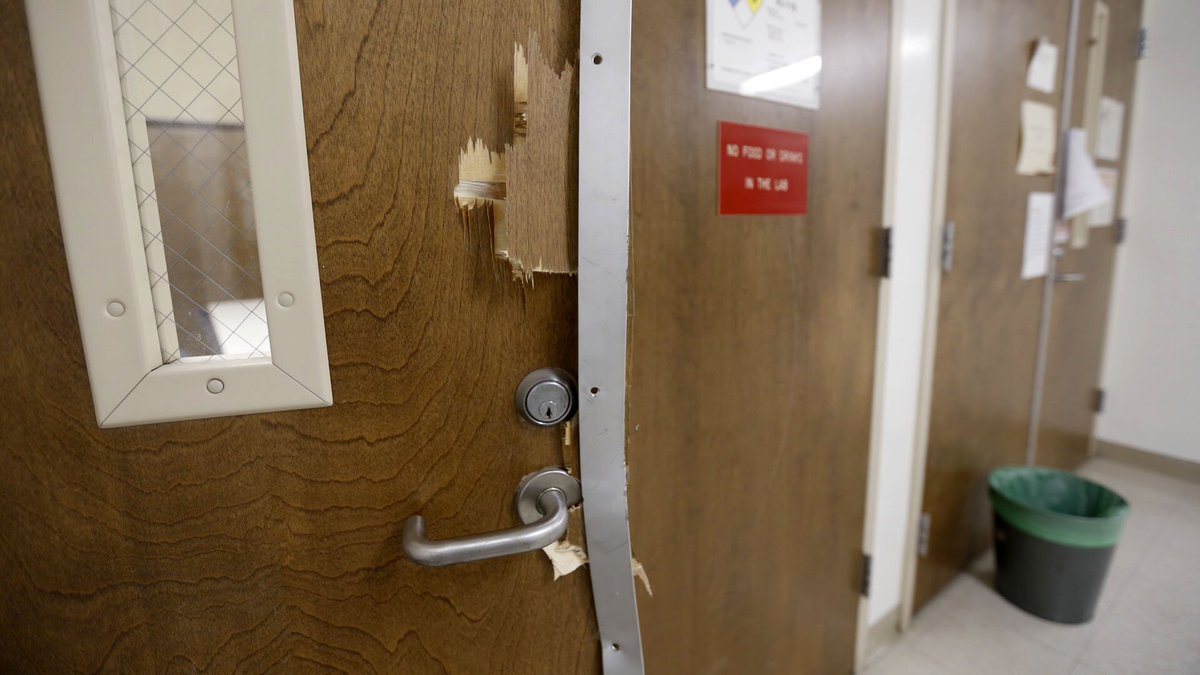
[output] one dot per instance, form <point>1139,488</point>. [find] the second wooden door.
<point>751,357</point>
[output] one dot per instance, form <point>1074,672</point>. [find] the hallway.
<point>1148,620</point>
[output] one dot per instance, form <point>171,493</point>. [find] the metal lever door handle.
<point>1069,277</point>
<point>543,499</point>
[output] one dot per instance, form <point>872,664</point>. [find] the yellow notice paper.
<point>1037,139</point>
<point>1109,128</point>
<point>1106,213</point>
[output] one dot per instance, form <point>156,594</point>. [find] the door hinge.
<point>864,584</point>
<point>885,252</point>
<point>1098,400</point>
<point>1119,230</point>
<point>923,535</point>
<point>948,247</point>
<point>1141,43</point>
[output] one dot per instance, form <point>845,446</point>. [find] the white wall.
<point>911,145</point>
<point>1152,357</point>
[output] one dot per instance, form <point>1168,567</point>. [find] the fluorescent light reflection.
<point>779,78</point>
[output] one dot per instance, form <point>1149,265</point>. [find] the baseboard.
<point>1150,461</point>
<point>882,635</point>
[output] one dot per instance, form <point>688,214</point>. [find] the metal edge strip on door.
<point>604,166</point>
<point>1060,192</point>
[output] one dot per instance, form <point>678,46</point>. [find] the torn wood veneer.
<point>639,573</point>
<point>526,192</point>
<point>568,554</point>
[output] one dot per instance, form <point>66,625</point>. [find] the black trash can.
<point>1055,534</point>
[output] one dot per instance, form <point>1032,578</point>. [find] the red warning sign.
<point>762,171</point>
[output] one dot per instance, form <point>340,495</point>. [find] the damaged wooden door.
<point>273,542</point>
<point>752,357</point>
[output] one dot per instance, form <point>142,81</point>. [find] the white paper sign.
<point>1104,215</point>
<point>1085,189</point>
<point>1039,219</point>
<point>1043,67</point>
<point>768,49</point>
<point>1037,139</point>
<point>1110,124</point>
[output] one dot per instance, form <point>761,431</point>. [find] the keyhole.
<point>545,398</point>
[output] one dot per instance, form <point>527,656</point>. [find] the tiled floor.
<point>1148,620</point>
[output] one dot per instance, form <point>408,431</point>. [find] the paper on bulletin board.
<point>1043,67</point>
<point>1085,189</point>
<point>768,49</point>
<point>1110,124</point>
<point>1039,219</point>
<point>1037,139</point>
<point>1106,213</point>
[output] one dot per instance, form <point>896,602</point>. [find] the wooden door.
<point>751,358</point>
<point>1080,310</point>
<point>988,317</point>
<point>272,542</point>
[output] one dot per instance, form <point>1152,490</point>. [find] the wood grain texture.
<point>751,362</point>
<point>272,542</point>
<point>988,316</point>
<point>1080,311</point>
<point>541,227</point>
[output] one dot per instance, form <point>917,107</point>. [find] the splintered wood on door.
<point>523,197</point>
<point>272,542</point>
<point>752,357</point>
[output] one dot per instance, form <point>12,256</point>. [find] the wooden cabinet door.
<point>272,542</point>
<point>751,357</point>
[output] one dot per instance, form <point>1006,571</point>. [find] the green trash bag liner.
<point>1058,506</point>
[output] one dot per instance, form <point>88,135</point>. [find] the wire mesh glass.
<point>183,110</point>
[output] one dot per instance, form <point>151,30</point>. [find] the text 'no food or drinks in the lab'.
<point>762,171</point>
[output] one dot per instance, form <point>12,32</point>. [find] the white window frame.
<point>80,90</point>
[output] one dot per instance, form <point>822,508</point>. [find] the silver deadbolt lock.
<point>546,397</point>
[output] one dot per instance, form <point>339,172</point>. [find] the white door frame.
<point>906,103</point>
